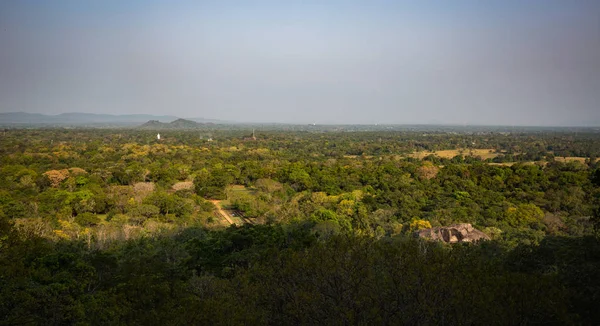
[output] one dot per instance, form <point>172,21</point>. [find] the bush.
<point>87,219</point>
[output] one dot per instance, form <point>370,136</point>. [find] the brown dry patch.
<point>359,156</point>
<point>444,154</point>
<point>484,153</point>
<point>142,190</point>
<point>56,176</point>
<point>571,159</point>
<point>428,171</point>
<point>77,171</point>
<point>183,185</point>
<point>554,223</point>
<point>513,163</point>
<point>503,164</point>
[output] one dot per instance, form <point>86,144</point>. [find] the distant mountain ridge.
<point>78,119</point>
<point>176,124</point>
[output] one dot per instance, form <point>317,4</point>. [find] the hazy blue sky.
<point>475,62</point>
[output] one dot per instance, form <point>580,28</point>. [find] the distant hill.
<point>204,120</point>
<point>176,124</point>
<point>76,119</point>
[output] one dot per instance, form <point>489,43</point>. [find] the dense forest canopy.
<point>298,226</point>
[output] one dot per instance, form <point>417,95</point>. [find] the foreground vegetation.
<point>270,275</point>
<point>115,227</point>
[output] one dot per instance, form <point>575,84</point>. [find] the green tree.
<point>524,215</point>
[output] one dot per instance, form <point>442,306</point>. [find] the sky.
<point>505,62</point>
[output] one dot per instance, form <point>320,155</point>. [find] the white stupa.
<point>158,136</point>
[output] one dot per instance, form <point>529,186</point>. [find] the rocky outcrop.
<point>463,232</point>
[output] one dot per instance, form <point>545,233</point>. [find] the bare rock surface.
<point>463,232</point>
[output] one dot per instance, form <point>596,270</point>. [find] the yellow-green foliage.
<point>419,225</point>
<point>524,215</point>
<point>493,232</point>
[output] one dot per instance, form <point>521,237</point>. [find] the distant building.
<point>158,136</point>
<point>253,137</point>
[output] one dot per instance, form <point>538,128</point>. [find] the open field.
<point>581,160</point>
<point>484,153</point>
<point>513,163</point>
<point>236,215</point>
<point>450,153</point>
<point>225,214</point>
<point>221,220</point>
<point>241,189</point>
<point>571,159</point>
<point>359,156</point>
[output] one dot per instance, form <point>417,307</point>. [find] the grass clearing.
<point>484,153</point>
<point>571,159</point>
<point>359,156</point>
<point>504,164</point>
<point>240,189</point>
<point>513,163</point>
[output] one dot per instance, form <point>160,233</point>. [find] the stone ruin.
<point>463,232</point>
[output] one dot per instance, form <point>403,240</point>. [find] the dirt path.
<point>222,212</point>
